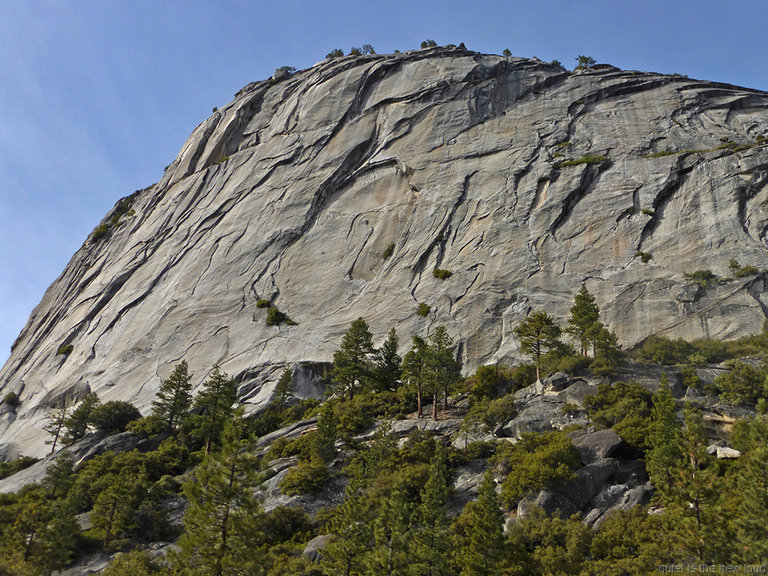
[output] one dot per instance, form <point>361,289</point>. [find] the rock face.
<point>522,179</point>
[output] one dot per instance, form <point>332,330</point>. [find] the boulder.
<point>595,445</point>
<point>537,415</point>
<point>556,382</point>
<point>577,392</point>
<point>313,550</point>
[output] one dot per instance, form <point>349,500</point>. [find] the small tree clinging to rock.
<point>538,334</point>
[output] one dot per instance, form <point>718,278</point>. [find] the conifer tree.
<point>352,364</point>
<point>480,547</point>
<point>59,476</point>
<point>413,369</point>
<point>538,334</point>
<point>114,509</point>
<point>174,397</point>
<point>663,457</point>
<point>441,368</point>
<point>346,553</point>
<point>55,427</point>
<point>584,314</point>
<point>391,535</point>
<point>431,545</point>
<point>749,500</point>
<point>388,363</point>
<point>77,423</point>
<point>216,400</point>
<point>285,389</point>
<point>221,534</point>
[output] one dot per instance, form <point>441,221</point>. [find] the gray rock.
<point>537,415</point>
<point>314,548</point>
<point>597,445</point>
<point>556,382</point>
<point>577,392</point>
<point>293,191</point>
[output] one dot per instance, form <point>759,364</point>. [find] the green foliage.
<point>275,317</point>
<point>743,383</point>
<point>648,212</point>
<point>645,257</point>
<point>506,53</point>
<point>423,309</point>
<point>428,44</point>
<point>367,49</point>
<point>441,274</point>
<point>536,461</point>
<point>625,407</point>
<point>55,427</point>
<point>584,62</point>
<point>441,369</point>
<point>703,278</point>
<point>662,350</point>
<point>388,251</point>
<point>387,370</point>
<point>353,361</point>
<point>584,160</point>
<point>134,563</point>
<point>305,478</point>
<point>99,232</point>
<point>216,402</point>
<point>79,420</point>
<point>220,533</point>
<point>739,271</point>
<point>65,350</point>
<point>538,334</point>
<point>664,441</point>
<point>262,303</point>
<point>333,54</point>
<point>174,397</point>
<point>585,314</point>
<point>355,51</point>
<point>479,544</point>
<point>114,416</point>
<point>10,468</point>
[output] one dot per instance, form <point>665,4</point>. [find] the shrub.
<point>499,411</point>
<point>305,478</point>
<point>355,51</point>
<point>100,232</point>
<point>703,278</point>
<point>388,251</point>
<point>584,62</point>
<point>624,407</point>
<point>428,44</point>
<point>585,160</point>
<point>506,53</point>
<point>65,349</point>
<point>648,212</point>
<point>11,399</point>
<point>536,461</point>
<point>743,384</point>
<point>441,274</point>
<point>275,317</point>
<point>114,416</point>
<point>333,54</point>
<point>262,303</point>
<point>661,350</point>
<point>423,309</point>
<point>740,271</point>
<point>10,468</point>
<point>644,256</point>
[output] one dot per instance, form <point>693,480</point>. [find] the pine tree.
<point>217,400</point>
<point>391,535</point>
<point>431,545</point>
<point>413,369</point>
<point>114,509</point>
<point>750,497</point>
<point>55,427</point>
<point>346,554</point>
<point>220,533</point>
<point>388,361</point>
<point>538,334</point>
<point>77,423</point>
<point>352,365</point>
<point>59,476</point>
<point>664,455</point>
<point>441,368</point>
<point>480,547</point>
<point>324,440</point>
<point>584,314</point>
<point>174,397</point>
<point>285,389</point>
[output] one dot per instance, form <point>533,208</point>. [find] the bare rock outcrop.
<point>522,179</point>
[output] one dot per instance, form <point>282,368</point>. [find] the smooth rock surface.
<point>293,191</point>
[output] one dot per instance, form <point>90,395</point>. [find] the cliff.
<point>520,178</point>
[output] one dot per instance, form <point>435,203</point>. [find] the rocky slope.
<point>520,178</point>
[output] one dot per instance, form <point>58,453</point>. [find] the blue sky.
<point>97,96</point>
